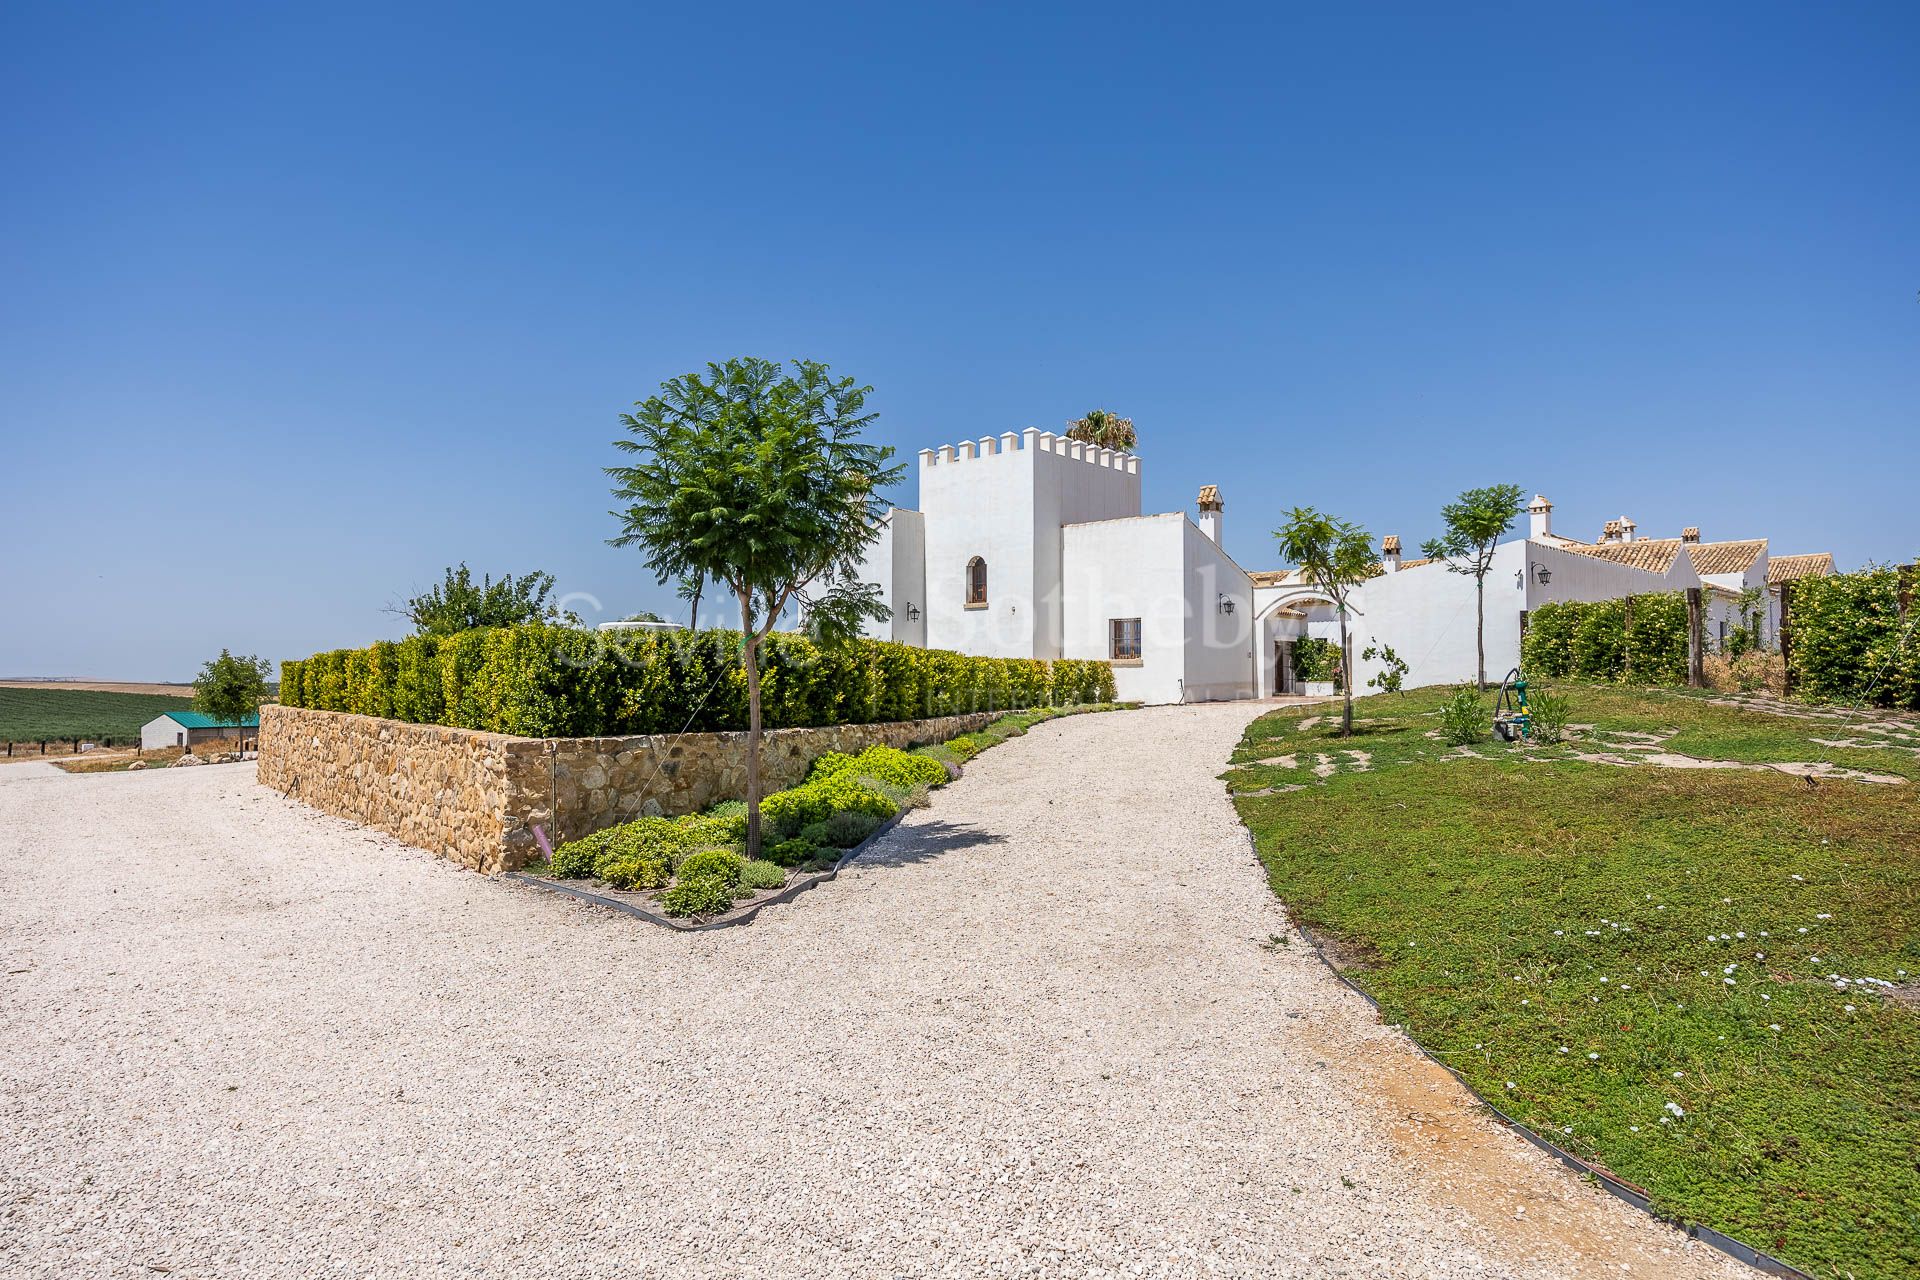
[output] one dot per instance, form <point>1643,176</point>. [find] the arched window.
<point>976,583</point>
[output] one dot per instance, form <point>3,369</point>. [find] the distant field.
<point>30,714</point>
<point>103,686</point>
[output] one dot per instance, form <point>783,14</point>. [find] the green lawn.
<point>29,715</point>
<point>1642,963</point>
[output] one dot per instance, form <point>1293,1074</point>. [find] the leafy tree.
<point>690,588</point>
<point>1476,521</point>
<point>1393,668</point>
<point>1102,429</point>
<point>645,615</point>
<point>458,604</point>
<point>1336,556</point>
<point>231,688</point>
<point>759,481</point>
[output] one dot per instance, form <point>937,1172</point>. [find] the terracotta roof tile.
<point>1725,557</point>
<point>1210,495</point>
<point>1787,568</point>
<point>1655,555</point>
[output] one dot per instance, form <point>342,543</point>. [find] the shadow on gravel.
<point>905,845</point>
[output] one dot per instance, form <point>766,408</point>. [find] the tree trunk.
<point>751,654</point>
<point>693,623</point>
<point>1480,631</point>
<point>1346,680</point>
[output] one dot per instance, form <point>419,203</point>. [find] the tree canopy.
<point>1103,429</point>
<point>459,604</point>
<point>1476,521</point>
<point>759,480</point>
<point>1336,556</point>
<point>230,688</point>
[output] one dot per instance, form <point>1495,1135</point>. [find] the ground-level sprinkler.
<point>1511,719</point>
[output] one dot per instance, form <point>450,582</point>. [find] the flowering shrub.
<point>1848,642</point>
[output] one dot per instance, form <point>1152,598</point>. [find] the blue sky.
<point>301,306</point>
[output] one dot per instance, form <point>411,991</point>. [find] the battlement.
<point>1031,440</point>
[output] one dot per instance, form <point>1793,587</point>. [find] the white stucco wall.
<point>161,732</point>
<point>1220,657</point>
<point>896,563</point>
<point>1128,568</point>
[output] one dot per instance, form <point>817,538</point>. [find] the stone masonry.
<point>476,797</point>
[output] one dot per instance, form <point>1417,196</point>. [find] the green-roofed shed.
<point>187,729</point>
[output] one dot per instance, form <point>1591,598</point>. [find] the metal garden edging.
<point>1626,1191</point>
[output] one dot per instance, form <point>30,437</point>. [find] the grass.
<point>31,715</point>
<point>1642,963</point>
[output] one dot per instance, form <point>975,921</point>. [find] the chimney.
<point>1539,517</point>
<point>1390,553</point>
<point>1627,526</point>
<point>1690,534</point>
<point>1211,509</point>
<point>1610,532</point>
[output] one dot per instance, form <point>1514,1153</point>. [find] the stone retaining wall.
<point>476,797</point>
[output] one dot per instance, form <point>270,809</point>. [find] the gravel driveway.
<point>1037,1033</point>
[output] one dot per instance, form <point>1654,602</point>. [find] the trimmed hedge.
<point>546,681</point>
<point>1847,641</point>
<point>1590,640</point>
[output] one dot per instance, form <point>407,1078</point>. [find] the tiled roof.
<point>1209,495</point>
<point>1415,564</point>
<point>1655,555</point>
<point>1725,557</point>
<point>1274,577</point>
<point>1787,568</point>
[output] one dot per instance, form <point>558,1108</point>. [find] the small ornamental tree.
<point>760,482</point>
<point>1476,521</point>
<point>1103,430</point>
<point>1336,556</point>
<point>459,604</point>
<point>231,688</point>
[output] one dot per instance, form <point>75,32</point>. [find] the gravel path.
<point>1036,1033</point>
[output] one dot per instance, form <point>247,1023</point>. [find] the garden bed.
<point>691,873</point>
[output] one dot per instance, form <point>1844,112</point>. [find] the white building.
<point>188,729</point>
<point>1031,545</point>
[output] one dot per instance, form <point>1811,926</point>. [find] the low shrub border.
<point>829,771</point>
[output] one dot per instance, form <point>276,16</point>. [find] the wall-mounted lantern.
<point>913,614</point>
<point>1541,574</point>
<point>1225,604</point>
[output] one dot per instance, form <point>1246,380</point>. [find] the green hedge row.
<point>551,681</point>
<point>1847,642</point>
<point>1591,640</point>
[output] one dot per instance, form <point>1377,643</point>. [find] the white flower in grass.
<point>1773,1026</point>
<point>1741,934</point>
<point>1847,1007</point>
<point>1765,996</point>
<point>1678,1074</point>
<point>1730,968</point>
<point>1675,1108</point>
<point>1625,987</point>
<point>1803,928</point>
<point>1526,1002</point>
<point>1727,900</point>
<point>1562,1049</point>
<point>1824,915</point>
<point>1666,1119</point>
<point>1798,876</point>
<point>1726,981</point>
<point>1594,1057</point>
<point>1633,1128</point>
